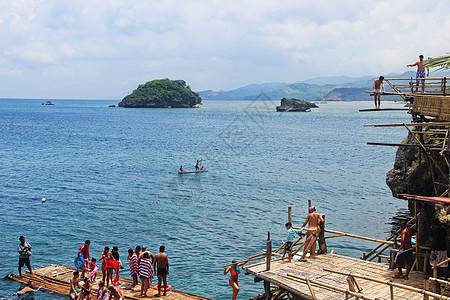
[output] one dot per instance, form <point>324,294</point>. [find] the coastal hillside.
<point>334,88</point>
<point>162,93</point>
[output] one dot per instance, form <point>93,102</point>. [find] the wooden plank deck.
<point>313,269</point>
<point>55,278</point>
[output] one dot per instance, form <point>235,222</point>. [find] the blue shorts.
<point>420,74</point>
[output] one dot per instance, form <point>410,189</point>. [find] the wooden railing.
<point>433,86</point>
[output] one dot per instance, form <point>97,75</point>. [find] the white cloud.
<point>109,47</point>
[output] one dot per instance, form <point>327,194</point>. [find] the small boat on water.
<point>192,171</point>
<point>47,103</point>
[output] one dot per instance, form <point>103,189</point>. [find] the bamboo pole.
<point>359,237</point>
<point>389,238</point>
<point>311,290</point>
<point>436,124</point>
<point>328,286</point>
<point>390,283</point>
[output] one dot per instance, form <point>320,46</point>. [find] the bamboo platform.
<point>323,270</point>
<point>55,278</point>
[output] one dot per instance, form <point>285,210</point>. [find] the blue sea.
<point>110,175</point>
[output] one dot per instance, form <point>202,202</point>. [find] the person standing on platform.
<point>313,219</point>
<point>134,267</point>
<point>289,240</point>
<point>439,246</point>
<point>24,250</point>
<point>377,85</point>
<point>161,263</point>
<point>84,251</point>
<point>405,254</point>
<point>420,74</point>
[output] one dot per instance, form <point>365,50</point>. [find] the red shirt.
<point>84,249</point>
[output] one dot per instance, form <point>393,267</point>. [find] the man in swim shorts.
<point>313,219</point>
<point>24,250</point>
<point>420,74</point>
<point>161,265</point>
<point>75,286</point>
<point>405,253</point>
<point>289,240</point>
<point>377,84</point>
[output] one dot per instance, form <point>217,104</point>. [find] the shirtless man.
<point>420,72</point>
<point>377,84</point>
<point>144,250</point>
<point>75,286</point>
<point>314,219</point>
<point>28,288</point>
<point>405,253</point>
<point>161,264</point>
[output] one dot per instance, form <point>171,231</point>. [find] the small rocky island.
<point>162,93</point>
<point>295,105</point>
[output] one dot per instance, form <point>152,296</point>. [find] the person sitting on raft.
<point>75,286</point>
<point>116,293</point>
<point>86,290</point>
<point>233,281</point>
<point>181,169</point>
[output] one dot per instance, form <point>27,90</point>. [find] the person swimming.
<point>181,169</point>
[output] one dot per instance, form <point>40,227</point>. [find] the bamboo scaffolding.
<point>388,239</point>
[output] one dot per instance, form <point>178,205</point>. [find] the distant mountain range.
<point>334,88</point>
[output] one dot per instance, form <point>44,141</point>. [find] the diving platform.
<point>328,275</point>
<point>56,278</point>
<point>333,276</point>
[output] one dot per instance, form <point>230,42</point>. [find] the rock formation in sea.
<point>295,105</point>
<point>162,93</point>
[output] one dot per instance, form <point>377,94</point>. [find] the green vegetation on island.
<point>294,105</point>
<point>162,93</point>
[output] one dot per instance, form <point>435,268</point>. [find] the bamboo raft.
<point>55,278</point>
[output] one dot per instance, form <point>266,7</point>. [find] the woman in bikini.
<point>106,272</point>
<point>233,281</point>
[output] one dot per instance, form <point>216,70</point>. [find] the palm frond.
<point>441,62</point>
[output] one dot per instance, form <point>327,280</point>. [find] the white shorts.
<point>440,256</point>
<point>377,90</point>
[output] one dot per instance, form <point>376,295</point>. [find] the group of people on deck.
<point>378,84</point>
<point>141,267</point>
<point>142,264</point>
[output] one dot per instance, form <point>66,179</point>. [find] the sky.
<point>96,49</point>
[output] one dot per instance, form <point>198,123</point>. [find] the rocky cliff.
<point>413,173</point>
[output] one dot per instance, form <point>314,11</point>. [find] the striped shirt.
<point>146,269</point>
<point>134,269</point>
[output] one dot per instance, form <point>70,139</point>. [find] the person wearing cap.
<point>314,219</point>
